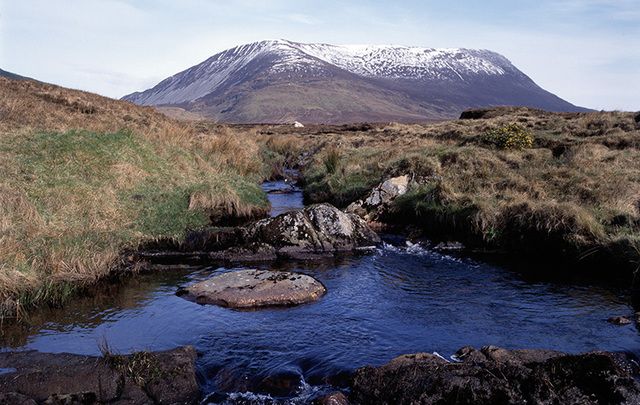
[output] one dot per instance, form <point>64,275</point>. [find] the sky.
<point>585,51</point>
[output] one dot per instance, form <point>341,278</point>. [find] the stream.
<point>402,298</point>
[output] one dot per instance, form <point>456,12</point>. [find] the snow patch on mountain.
<point>378,61</point>
<point>407,62</point>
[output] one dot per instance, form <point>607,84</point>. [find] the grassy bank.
<point>570,190</point>
<point>85,177</point>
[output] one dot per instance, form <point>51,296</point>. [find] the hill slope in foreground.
<point>282,81</point>
<point>85,177</point>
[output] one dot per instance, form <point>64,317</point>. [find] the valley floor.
<point>89,178</point>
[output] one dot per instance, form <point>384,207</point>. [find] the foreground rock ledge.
<point>255,288</point>
<point>141,378</point>
<point>499,376</point>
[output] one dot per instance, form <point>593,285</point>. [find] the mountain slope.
<point>280,81</point>
<point>13,76</point>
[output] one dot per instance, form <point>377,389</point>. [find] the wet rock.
<point>335,398</point>
<point>250,253</point>
<point>452,245</point>
<point>619,320</point>
<point>498,376</point>
<point>317,231</point>
<point>140,378</point>
<point>80,398</point>
<point>380,198</point>
<point>282,384</point>
<point>255,288</point>
<point>13,398</point>
<point>319,228</point>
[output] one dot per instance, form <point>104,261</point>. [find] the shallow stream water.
<point>401,298</point>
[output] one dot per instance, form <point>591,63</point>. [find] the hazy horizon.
<point>580,50</point>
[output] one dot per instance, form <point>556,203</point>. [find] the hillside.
<point>85,178</point>
<point>13,76</point>
<point>283,81</point>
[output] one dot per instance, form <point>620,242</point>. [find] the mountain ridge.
<point>13,76</point>
<point>345,83</point>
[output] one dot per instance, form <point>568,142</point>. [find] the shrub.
<point>511,136</point>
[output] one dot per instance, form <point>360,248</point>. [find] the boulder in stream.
<point>316,231</point>
<point>619,320</point>
<point>498,376</point>
<point>255,288</point>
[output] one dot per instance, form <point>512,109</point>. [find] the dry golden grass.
<point>85,177</point>
<point>576,190</point>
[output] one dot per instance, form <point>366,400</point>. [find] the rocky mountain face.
<point>282,81</point>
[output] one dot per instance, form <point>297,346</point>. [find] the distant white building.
<point>298,124</point>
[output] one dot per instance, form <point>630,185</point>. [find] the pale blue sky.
<point>586,51</point>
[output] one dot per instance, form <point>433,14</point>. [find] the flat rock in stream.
<point>141,378</point>
<point>494,375</point>
<point>255,288</point>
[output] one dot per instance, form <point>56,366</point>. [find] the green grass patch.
<point>74,200</point>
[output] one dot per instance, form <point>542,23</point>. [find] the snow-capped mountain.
<point>278,80</point>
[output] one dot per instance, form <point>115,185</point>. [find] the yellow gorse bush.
<point>510,136</point>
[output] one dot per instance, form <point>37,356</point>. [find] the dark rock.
<point>363,127</point>
<point>140,378</point>
<point>13,398</point>
<point>559,150</point>
<point>255,288</point>
<point>213,239</point>
<point>637,118</point>
<point>317,231</point>
<point>451,245</point>
<point>64,399</point>
<point>499,376</point>
<point>282,384</point>
<point>619,320</point>
<point>474,114</point>
<point>234,218</point>
<point>250,253</point>
<point>335,398</point>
